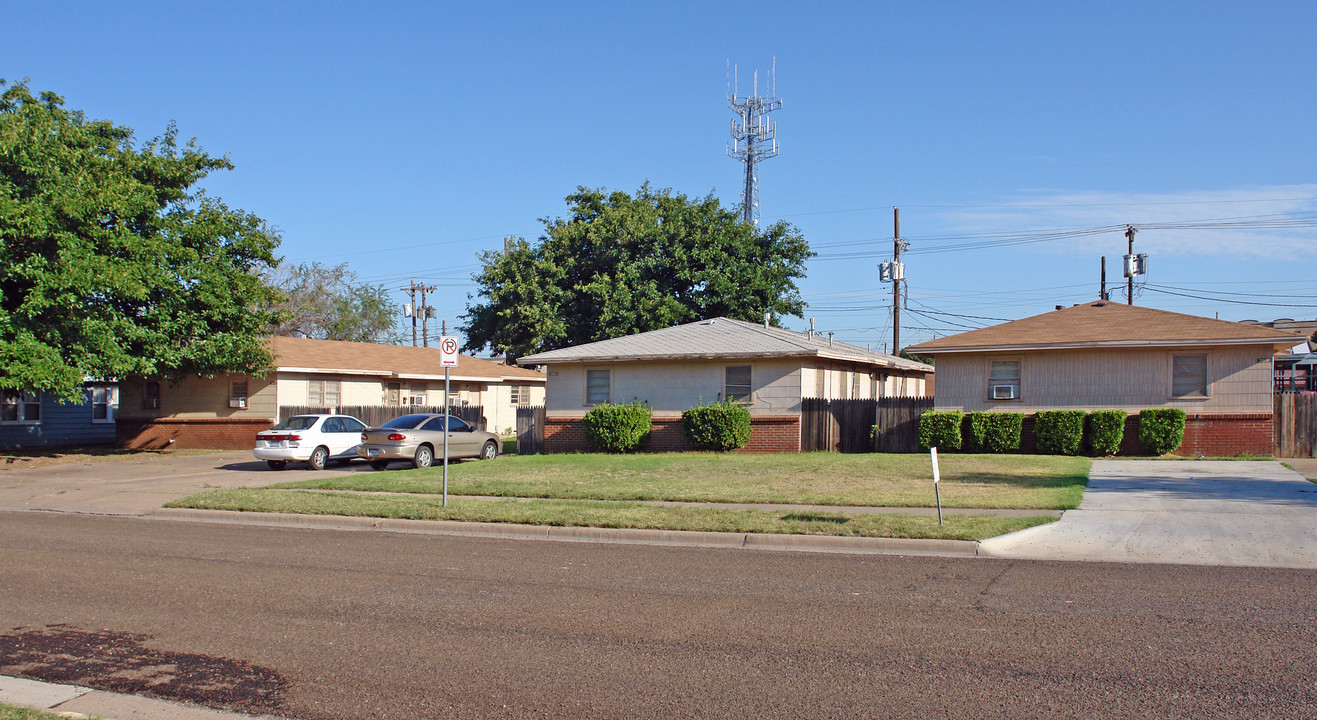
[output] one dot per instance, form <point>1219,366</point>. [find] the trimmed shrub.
<point>940,429</point>
<point>719,426</point>
<point>1161,430</point>
<point>1059,432</point>
<point>994,432</point>
<point>618,428</point>
<point>1104,431</point>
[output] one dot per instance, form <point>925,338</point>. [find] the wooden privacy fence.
<point>376,415</point>
<point>530,430</point>
<point>866,425</point>
<point>1295,418</point>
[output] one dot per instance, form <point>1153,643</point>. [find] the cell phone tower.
<point>754,136</point>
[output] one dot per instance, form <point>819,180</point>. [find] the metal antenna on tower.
<point>754,136</point>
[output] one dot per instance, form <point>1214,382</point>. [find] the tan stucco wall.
<point>198,397</point>
<point>673,386</point>
<point>1239,380</point>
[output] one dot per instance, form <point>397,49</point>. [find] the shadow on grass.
<point>801,517</point>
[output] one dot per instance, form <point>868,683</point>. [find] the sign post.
<point>448,359</point>
<point>936,492</point>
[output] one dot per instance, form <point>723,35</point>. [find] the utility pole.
<point>896,281</point>
<point>427,312</point>
<point>1129,287</point>
<point>410,310</point>
<point>1102,289</point>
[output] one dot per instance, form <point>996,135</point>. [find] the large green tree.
<point>621,264</point>
<point>327,303</point>
<point>112,262</point>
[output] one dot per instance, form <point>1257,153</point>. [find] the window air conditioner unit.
<point>1004,392</point>
<point>237,402</point>
<point>151,403</point>
<point>418,400</point>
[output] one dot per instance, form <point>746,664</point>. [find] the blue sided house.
<point>37,419</point>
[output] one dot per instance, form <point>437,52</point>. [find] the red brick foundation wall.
<point>1212,435</point>
<point>767,434</point>
<point>204,433</point>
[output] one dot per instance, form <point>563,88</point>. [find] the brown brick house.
<point>768,369</point>
<point>1105,355</point>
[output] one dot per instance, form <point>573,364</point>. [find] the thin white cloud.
<point>1253,213</point>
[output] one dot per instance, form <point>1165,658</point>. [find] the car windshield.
<point>405,422</point>
<point>297,422</point>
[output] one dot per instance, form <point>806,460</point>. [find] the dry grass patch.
<point>585,513</point>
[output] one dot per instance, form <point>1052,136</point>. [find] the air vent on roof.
<point>707,322</point>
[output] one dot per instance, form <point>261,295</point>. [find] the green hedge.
<point>994,432</point>
<point>1104,431</point>
<point>940,429</point>
<point>719,426</point>
<point>1059,432</point>
<point>618,428</point>
<point>1161,430</point>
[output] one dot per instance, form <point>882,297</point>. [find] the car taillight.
<point>397,436</point>
<point>270,438</point>
<point>364,438</point>
<point>294,438</point>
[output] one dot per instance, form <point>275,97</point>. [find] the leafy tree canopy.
<point>111,262</point>
<point>622,264</point>
<point>327,303</point>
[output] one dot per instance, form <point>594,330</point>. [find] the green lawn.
<point>604,514</point>
<point>13,712</point>
<point>877,479</point>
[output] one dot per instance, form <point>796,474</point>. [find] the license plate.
<point>372,451</point>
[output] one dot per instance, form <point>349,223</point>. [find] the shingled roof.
<point>717,339</point>
<point>1107,324</point>
<point>398,361</point>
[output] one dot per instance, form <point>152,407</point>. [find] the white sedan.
<point>313,439</point>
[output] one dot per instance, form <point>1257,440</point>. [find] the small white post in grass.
<point>447,359</point>
<point>936,477</point>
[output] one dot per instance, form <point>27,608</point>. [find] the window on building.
<point>598,386</point>
<point>418,393</point>
<point>151,396</point>
<point>820,383</point>
<point>20,407</point>
<point>736,383</point>
<point>238,394</point>
<point>1189,375</point>
<point>104,403</point>
<point>322,393</point>
<point>1004,380</point>
<point>520,395</point>
<point>856,387</point>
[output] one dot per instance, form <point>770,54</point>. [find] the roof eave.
<point>1105,344</point>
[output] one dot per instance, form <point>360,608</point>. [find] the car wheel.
<point>379,464</point>
<point>490,451</point>
<point>277,464</point>
<point>424,457</point>
<point>319,458</point>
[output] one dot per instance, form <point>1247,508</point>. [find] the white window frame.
<point>1207,374</point>
<point>608,394</point>
<point>20,402</point>
<point>520,395</point>
<point>749,387</point>
<point>238,394</point>
<point>323,388</point>
<point>1017,381</point>
<point>111,402</point>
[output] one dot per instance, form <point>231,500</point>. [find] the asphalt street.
<point>321,624</point>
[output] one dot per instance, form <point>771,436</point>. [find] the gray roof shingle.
<point>719,338</point>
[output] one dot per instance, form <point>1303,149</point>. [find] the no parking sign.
<point>448,351</point>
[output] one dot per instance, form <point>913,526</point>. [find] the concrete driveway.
<point>1195,512</point>
<point>137,485</point>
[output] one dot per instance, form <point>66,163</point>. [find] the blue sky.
<point>405,138</point>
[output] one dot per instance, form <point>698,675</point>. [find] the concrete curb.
<point>683,538</point>
<point>72,701</point>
